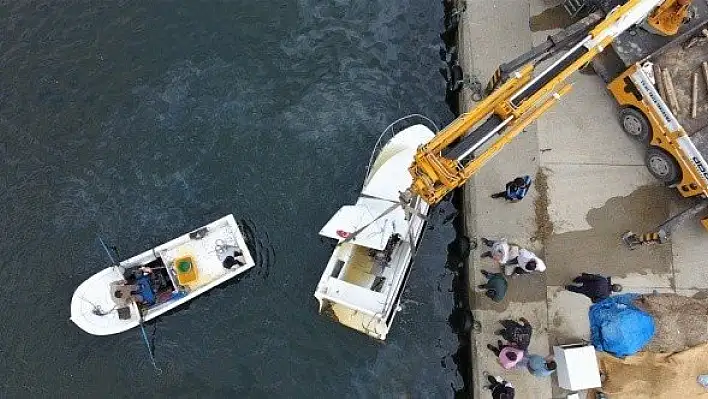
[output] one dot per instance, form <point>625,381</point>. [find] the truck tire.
<point>662,166</point>
<point>635,124</point>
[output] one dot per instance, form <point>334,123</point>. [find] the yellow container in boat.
<point>186,270</point>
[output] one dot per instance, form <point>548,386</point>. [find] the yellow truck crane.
<point>517,97</point>
<point>655,80</point>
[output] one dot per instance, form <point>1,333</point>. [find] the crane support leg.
<point>663,233</point>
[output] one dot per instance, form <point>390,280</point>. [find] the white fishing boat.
<point>362,284</point>
<point>147,285</point>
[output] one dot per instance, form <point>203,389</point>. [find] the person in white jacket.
<point>526,262</point>
<point>500,250</point>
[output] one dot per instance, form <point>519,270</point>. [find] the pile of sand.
<point>649,375</point>
<point>681,322</point>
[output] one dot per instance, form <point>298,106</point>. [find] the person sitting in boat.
<point>143,295</point>
<point>384,257</point>
<point>138,298</point>
<point>133,273</point>
<point>237,259</point>
<point>122,292</point>
<point>142,291</point>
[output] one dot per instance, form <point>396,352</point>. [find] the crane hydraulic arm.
<point>551,46</point>
<point>456,153</point>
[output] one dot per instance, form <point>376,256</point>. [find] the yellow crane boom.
<point>459,150</point>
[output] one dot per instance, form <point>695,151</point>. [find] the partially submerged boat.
<point>147,285</point>
<point>362,284</point>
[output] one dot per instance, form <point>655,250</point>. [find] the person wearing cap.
<point>515,190</point>
<point>237,259</point>
<point>527,262</point>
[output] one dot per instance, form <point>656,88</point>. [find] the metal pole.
<point>107,251</point>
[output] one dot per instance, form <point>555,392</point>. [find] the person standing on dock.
<point>594,286</point>
<point>501,389</point>
<point>518,334</point>
<point>515,190</point>
<point>500,250</point>
<point>495,286</point>
<point>526,262</point>
<point>540,366</point>
<point>509,356</point>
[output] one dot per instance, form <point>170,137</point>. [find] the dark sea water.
<point>141,120</point>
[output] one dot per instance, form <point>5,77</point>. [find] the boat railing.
<point>396,127</point>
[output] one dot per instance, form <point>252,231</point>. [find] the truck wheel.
<point>635,124</point>
<point>662,166</point>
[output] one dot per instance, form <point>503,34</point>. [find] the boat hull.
<point>375,325</point>
<point>94,310</point>
<point>358,289</point>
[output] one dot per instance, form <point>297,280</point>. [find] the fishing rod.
<point>140,314</point>
<point>105,248</point>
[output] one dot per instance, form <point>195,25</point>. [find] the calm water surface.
<point>140,121</point>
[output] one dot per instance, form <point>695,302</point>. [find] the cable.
<point>97,308</point>
<point>98,312</point>
<point>147,343</point>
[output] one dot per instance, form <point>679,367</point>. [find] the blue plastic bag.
<point>619,327</point>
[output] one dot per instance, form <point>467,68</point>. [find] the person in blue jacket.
<point>540,366</point>
<point>516,189</point>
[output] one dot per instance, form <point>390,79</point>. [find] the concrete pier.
<point>590,186</point>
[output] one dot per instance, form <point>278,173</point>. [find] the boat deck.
<point>358,320</point>
<point>207,253</point>
<point>95,310</point>
<point>358,270</point>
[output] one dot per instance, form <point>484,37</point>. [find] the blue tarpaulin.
<point>619,327</point>
<point>145,290</point>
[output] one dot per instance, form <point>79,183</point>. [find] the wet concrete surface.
<point>544,225</point>
<point>600,249</point>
